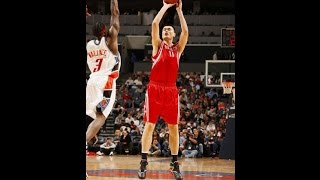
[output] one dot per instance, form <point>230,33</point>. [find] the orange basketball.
<point>170,1</point>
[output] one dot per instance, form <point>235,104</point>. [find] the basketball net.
<point>227,87</point>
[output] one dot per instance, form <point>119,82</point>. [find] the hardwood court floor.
<point>122,167</point>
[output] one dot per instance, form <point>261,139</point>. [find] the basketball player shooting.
<point>162,94</point>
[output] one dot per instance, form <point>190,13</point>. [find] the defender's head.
<point>99,30</point>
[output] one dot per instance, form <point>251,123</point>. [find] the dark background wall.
<point>147,5</point>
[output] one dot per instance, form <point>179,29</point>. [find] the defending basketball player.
<point>104,61</point>
<point>162,94</point>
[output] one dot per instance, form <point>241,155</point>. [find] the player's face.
<point>168,32</point>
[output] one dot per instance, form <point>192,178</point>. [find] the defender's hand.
<point>87,13</point>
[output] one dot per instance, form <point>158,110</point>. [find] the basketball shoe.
<point>174,168</point>
<point>143,169</point>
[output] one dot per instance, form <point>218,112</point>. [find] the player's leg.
<point>171,115</point>
<point>96,124</point>
<point>174,146</point>
<point>146,141</point>
<point>151,113</point>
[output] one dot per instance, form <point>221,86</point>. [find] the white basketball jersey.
<point>101,61</point>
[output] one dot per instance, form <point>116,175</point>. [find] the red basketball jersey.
<point>165,64</point>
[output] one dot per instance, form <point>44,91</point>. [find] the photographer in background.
<point>182,140</point>
<point>193,145</point>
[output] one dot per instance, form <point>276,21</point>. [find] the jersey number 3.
<point>98,66</point>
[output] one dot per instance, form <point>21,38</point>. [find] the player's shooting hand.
<point>167,5</point>
<point>179,5</point>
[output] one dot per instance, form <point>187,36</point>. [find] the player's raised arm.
<point>184,28</point>
<point>114,26</point>
<point>87,13</point>
<point>155,27</point>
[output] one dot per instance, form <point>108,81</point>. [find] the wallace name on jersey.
<point>98,52</point>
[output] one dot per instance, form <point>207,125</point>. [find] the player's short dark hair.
<point>98,29</point>
<point>168,24</point>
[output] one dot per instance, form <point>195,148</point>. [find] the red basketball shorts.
<point>161,100</point>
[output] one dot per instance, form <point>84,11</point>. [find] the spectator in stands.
<point>139,115</point>
<point>133,128</point>
<point>155,135</point>
<point>116,140</point>
<point>129,119</point>
<point>166,152</point>
<point>129,81</point>
<point>125,145</point>
<point>126,97</point>
<point>155,149</point>
<point>212,93</point>
<point>107,148</point>
<point>212,143</point>
<point>137,82</point>
<point>211,126</point>
<point>118,120</point>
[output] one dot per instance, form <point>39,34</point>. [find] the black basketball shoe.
<point>143,169</point>
<point>174,167</point>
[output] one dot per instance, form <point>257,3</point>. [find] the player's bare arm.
<point>114,27</point>
<point>184,28</point>
<point>155,27</point>
<point>87,12</point>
